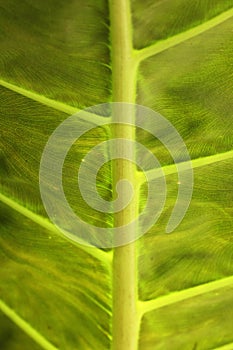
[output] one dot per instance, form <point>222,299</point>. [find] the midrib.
<point>127,309</point>
<point>125,320</point>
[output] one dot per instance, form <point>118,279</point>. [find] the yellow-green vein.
<point>125,321</point>
<point>165,44</point>
<point>150,305</point>
<point>60,106</point>
<point>40,98</point>
<point>26,327</point>
<point>196,163</point>
<point>225,347</point>
<point>99,254</point>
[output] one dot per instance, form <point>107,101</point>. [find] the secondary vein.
<point>86,115</point>
<point>26,327</point>
<point>196,163</point>
<point>43,222</point>
<point>40,98</point>
<point>165,44</point>
<point>150,305</point>
<point>225,347</point>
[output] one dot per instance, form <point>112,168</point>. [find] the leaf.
<point>49,48</point>
<point>62,294</point>
<point>59,57</point>
<point>11,337</point>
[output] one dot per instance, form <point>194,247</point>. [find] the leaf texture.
<point>55,59</point>
<point>49,48</point>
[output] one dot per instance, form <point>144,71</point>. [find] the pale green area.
<point>60,50</point>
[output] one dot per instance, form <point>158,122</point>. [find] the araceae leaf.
<point>56,59</point>
<point>50,48</point>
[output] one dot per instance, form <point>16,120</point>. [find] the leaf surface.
<point>55,59</point>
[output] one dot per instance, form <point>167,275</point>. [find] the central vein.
<point>124,67</point>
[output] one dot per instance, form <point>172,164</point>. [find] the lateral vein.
<point>87,115</point>
<point>40,98</point>
<point>26,327</point>
<point>150,305</point>
<point>228,346</point>
<point>105,257</point>
<point>165,44</point>
<point>196,163</point>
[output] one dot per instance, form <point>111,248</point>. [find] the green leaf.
<point>57,58</point>
<point>12,337</point>
<point>53,284</point>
